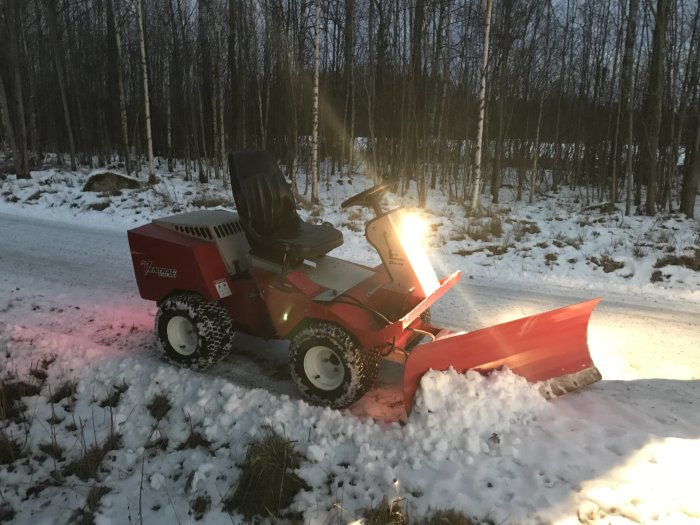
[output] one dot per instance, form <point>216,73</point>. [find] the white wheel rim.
<point>323,368</point>
<point>182,335</point>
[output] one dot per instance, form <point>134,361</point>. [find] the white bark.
<point>146,103</point>
<point>114,6</point>
<point>314,132</point>
<point>487,6</point>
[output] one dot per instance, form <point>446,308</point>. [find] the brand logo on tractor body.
<point>150,269</point>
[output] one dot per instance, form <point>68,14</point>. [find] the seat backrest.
<point>264,199</point>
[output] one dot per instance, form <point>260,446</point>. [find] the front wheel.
<point>192,331</point>
<point>328,366</point>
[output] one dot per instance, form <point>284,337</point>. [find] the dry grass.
<point>86,515</point>
<point>607,263</point>
<point>448,517</point>
<point>87,466</point>
<point>550,258</point>
<point>159,407</point>
<point>7,513</point>
<point>493,249</point>
<point>10,449</point>
<point>485,229</point>
<point>52,449</point>
<point>692,262</point>
<point>112,400</point>
<point>523,228</point>
<point>194,440</point>
<point>267,484</point>
<point>199,506</point>
<point>40,486</point>
<point>11,394</point>
<point>65,390</point>
<point>639,251</point>
<point>386,513</point>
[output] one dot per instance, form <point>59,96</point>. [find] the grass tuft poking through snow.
<point>199,506</point>
<point>112,400</point>
<point>448,517</point>
<point>159,407</point>
<point>87,466</point>
<point>65,390</point>
<point>268,483</point>
<point>86,515</point>
<point>10,449</point>
<point>11,394</point>
<point>386,513</point>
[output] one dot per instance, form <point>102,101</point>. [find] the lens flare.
<point>412,230</point>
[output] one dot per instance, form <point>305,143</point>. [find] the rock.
<point>108,181</point>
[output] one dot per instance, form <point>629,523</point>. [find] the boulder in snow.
<point>107,181</point>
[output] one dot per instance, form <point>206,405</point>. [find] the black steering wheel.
<point>369,197</point>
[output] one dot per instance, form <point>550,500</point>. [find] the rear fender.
<point>165,261</point>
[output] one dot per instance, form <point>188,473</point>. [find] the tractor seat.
<point>267,210</point>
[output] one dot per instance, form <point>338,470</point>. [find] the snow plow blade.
<point>550,348</point>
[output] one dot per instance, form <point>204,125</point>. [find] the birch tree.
<point>653,106</point>
<point>146,104</point>
<point>51,18</point>
<point>11,102</point>
<point>314,110</point>
<point>113,6</point>
<point>626,89</point>
<point>474,203</point>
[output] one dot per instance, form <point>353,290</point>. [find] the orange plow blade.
<point>550,347</point>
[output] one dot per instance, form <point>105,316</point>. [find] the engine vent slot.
<point>195,231</point>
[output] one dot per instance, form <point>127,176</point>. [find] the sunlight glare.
<point>411,234</point>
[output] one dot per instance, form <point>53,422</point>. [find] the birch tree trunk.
<point>113,7</point>
<point>691,178</point>
<point>7,124</point>
<point>691,175</point>
<point>474,204</point>
<point>314,124</point>
<point>12,95</point>
<point>653,106</point>
<point>50,6</point>
<point>627,87</point>
<point>146,103</point>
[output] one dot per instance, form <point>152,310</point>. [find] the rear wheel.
<point>328,366</point>
<point>192,331</point>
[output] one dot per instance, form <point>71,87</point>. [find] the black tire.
<point>328,366</point>
<point>193,332</point>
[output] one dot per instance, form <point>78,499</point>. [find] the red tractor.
<point>265,271</point>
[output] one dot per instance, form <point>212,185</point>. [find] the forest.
<point>463,95</point>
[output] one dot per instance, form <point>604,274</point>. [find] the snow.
<point>625,450</point>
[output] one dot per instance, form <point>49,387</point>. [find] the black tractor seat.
<point>267,210</point>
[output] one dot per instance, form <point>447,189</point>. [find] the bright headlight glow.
<point>412,227</point>
<point>412,230</point>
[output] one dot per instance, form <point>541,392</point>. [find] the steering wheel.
<point>369,197</point>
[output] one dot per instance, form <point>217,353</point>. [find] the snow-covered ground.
<point>625,450</point>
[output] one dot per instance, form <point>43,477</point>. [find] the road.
<point>70,279</point>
